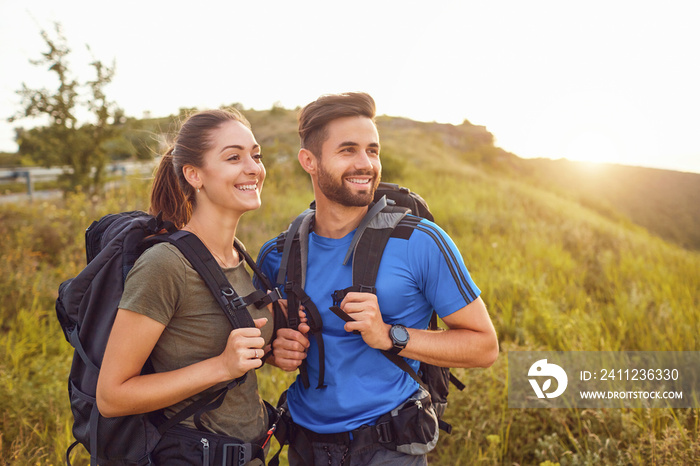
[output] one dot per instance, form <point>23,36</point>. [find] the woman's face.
<point>233,173</point>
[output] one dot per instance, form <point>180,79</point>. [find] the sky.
<point>602,81</point>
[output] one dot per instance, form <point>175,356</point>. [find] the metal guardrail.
<point>31,174</point>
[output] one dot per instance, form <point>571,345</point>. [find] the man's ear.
<point>192,176</point>
<point>308,161</point>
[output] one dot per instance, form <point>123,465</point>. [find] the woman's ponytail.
<point>167,195</point>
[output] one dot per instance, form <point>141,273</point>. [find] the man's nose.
<point>363,161</point>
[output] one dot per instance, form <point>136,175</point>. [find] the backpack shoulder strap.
<point>366,220</point>
<point>289,238</point>
<point>367,247</point>
<point>292,277</point>
<point>203,261</point>
<point>260,298</point>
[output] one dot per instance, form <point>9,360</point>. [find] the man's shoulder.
<point>418,229</point>
<point>271,248</point>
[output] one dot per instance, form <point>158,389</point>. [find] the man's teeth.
<point>247,187</point>
<point>358,181</point>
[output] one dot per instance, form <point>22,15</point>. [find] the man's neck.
<point>336,221</point>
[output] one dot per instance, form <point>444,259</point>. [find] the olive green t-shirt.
<point>163,286</point>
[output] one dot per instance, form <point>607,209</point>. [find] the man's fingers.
<point>288,334</point>
<point>302,314</point>
<point>289,355</point>
<point>289,345</point>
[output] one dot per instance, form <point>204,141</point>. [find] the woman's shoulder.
<point>161,255</point>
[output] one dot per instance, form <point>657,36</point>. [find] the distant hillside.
<point>666,203</point>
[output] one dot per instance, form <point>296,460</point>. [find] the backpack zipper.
<point>205,455</point>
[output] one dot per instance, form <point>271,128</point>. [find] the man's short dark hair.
<point>314,118</point>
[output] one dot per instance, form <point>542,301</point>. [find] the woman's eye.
<point>258,157</point>
<point>233,157</point>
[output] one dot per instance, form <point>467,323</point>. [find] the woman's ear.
<point>192,176</point>
<point>308,161</point>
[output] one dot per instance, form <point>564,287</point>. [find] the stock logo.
<point>543,369</point>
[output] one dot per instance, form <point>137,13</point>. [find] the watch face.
<point>399,333</point>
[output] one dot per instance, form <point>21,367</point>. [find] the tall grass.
<point>554,274</point>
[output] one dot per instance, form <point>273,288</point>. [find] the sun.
<point>591,146</point>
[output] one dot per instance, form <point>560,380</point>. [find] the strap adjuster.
<point>367,289</point>
<point>384,432</point>
<point>275,294</point>
<point>234,454</point>
<point>338,296</point>
<point>237,302</point>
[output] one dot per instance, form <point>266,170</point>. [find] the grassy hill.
<point>665,202</point>
<point>557,273</point>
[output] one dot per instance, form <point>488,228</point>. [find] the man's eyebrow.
<point>352,143</point>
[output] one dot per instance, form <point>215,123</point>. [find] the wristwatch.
<point>399,337</point>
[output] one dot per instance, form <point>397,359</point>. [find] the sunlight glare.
<point>591,146</point>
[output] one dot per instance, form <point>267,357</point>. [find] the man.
<point>340,150</point>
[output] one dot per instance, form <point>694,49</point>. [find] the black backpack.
<point>385,218</point>
<point>86,307</point>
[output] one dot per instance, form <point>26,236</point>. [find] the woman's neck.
<point>217,233</point>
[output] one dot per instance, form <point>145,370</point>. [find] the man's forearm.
<point>452,348</point>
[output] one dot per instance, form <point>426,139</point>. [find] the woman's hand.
<point>244,350</point>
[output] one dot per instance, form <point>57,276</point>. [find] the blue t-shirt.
<point>416,275</point>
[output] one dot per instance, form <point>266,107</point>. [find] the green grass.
<point>555,274</point>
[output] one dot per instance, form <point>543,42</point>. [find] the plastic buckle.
<point>236,302</point>
<point>275,294</point>
<point>234,454</point>
<point>367,289</point>
<point>384,432</point>
<point>338,296</point>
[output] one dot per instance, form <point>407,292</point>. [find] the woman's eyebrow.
<point>239,147</point>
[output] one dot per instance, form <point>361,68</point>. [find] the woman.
<point>204,184</point>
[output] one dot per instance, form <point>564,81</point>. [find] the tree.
<point>62,141</point>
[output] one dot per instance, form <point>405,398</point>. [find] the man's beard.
<point>336,190</point>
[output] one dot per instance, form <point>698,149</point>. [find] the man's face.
<point>349,168</point>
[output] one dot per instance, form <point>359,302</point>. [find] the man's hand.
<point>364,308</point>
<point>289,348</point>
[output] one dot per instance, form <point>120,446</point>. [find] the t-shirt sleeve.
<point>268,262</point>
<point>440,269</point>
<point>155,285</point>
